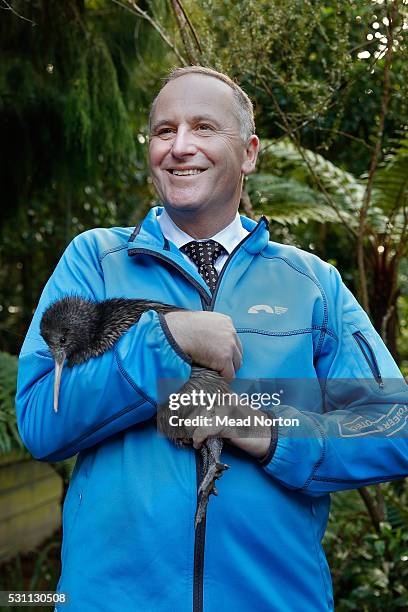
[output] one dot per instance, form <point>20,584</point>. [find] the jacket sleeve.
<point>361,435</point>
<point>104,395</point>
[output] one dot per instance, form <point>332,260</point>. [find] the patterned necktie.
<point>204,255</point>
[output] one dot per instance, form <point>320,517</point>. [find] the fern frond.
<point>287,201</point>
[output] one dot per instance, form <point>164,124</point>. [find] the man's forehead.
<point>194,94</point>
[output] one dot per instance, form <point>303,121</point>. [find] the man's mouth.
<point>187,172</point>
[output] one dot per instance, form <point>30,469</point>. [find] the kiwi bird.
<point>76,329</point>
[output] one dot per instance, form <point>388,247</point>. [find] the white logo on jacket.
<point>257,308</point>
<point>389,424</point>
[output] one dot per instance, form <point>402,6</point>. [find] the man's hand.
<point>209,338</point>
<point>254,439</point>
<point>257,447</point>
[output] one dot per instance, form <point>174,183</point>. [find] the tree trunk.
<point>383,301</point>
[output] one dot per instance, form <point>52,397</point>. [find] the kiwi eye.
<point>63,339</point>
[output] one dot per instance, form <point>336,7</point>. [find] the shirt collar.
<point>228,237</point>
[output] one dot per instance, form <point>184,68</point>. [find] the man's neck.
<point>199,226</point>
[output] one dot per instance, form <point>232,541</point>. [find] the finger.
<point>239,344</point>
<point>199,436</point>
<point>236,359</point>
<point>228,371</point>
<point>202,433</point>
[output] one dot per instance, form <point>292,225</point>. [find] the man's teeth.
<point>185,172</point>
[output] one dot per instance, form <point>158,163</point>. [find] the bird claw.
<point>214,472</point>
<point>207,488</point>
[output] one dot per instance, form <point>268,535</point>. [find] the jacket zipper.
<point>203,294</point>
<point>208,305</point>
<point>199,538</point>
<point>230,256</point>
<point>199,543</point>
<point>369,356</point>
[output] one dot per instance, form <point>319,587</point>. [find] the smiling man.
<point>267,317</point>
<point>200,150</point>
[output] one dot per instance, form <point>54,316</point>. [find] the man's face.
<point>197,157</point>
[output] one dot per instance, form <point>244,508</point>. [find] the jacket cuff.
<point>299,448</point>
<point>172,341</point>
<point>274,440</point>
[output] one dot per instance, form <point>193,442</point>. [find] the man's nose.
<point>183,143</point>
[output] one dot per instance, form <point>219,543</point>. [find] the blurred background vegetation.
<point>329,80</point>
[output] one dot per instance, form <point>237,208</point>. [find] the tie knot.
<point>203,253</point>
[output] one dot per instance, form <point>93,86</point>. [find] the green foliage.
<point>300,47</point>
<point>74,98</point>
<point>35,571</point>
<point>95,116</point>
<point>287,200</point>
<point>65,71</point>
<point>369,569</point>
<point>390,192</point>
<point>312,67</point>
<point>300,178</point>
<point>285,161</point>
<point>403,324</point>
<point>9,436</point>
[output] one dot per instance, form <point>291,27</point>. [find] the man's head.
<point>242,106</point>
<point>202,143</point>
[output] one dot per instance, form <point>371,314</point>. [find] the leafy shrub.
<point>9,436</point>
<point>369,567</point>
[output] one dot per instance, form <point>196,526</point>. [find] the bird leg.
<point>212,470</point>
<point>212,467</point>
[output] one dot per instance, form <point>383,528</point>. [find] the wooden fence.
<point>30,495</point>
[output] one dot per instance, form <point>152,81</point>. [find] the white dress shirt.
<point>228,237</point>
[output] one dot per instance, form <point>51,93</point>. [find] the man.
<point>258,311</point>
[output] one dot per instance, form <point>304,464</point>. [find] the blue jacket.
<point>128,536</point>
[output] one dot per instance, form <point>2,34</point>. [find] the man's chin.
<point>182,204</point>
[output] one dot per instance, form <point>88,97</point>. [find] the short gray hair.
<point>244,110</point>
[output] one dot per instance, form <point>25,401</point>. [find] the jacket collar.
<point>148,235</point>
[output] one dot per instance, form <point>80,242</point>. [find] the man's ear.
<point>251,155</point>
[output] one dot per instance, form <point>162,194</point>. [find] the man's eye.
<point>164,131</point>
<point>204,127</point>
